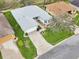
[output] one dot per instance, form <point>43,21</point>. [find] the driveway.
<point>40,43</point>
<point>10,50</point>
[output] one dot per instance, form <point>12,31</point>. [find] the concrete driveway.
<point>40,43</point>
<point>9,50</point>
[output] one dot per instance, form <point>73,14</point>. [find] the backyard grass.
<point>76,19</point>
<point>55,37</point>
<point>24,44</point>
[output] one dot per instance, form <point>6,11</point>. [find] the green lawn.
<point>76,19</point>
<point>28,52</point>
<point>55,37</point>
<point>0,56</point>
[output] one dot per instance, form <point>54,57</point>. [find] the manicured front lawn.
<point>76,19</point>
<point>24,44</point>
<point>55,37</point>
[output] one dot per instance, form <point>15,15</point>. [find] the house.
<point>33,12</point>
<point>6,32</point>
<point>59,8</point>
<point>27,16</point>
<point>69,49</point>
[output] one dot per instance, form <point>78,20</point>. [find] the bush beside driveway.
<point>76,20</point>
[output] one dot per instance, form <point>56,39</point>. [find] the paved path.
<point>40,43</point>
<point>10,50</point>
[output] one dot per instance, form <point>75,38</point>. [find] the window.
<point>70,12</point>
<point>35,17</point>
<point>45,21</point>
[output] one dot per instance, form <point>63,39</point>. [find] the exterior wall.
<point>43,21</point>
<point>31,30</point>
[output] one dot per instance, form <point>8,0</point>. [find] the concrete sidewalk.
<point>40,43</point>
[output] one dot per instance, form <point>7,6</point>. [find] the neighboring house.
<point>32,12</point>
<point>75,2</point>
<point>6,32</point>
<point>69,49</point>
<point>59,8</point>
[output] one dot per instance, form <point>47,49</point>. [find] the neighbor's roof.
<point>66,50</point>
<point>6,38</point>
<point>33,11</point>
<point>59,7</point>
<point>5,28</point>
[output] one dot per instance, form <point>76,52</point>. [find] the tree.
<point>61,22</point>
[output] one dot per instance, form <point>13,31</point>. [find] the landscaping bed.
<point>56,37</point>
<point>25,46</point>
<point>76,19</point>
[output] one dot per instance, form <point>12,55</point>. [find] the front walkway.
<point>40,43</point>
